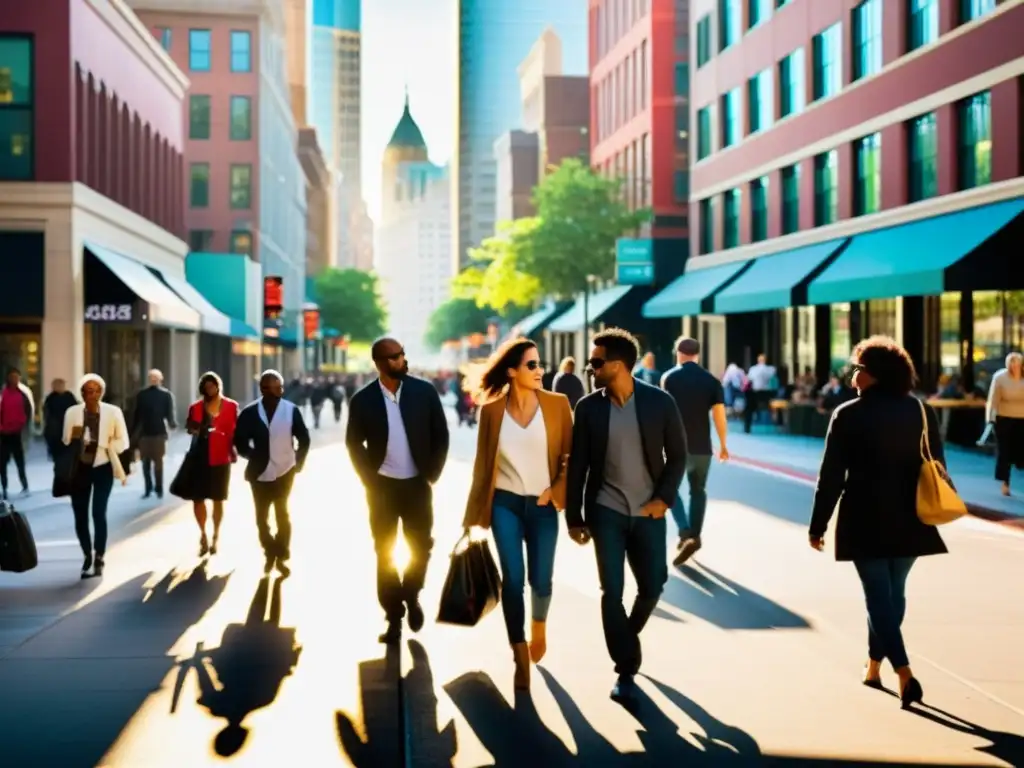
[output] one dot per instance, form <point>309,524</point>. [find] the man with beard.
<point>628,459</point>
<point>397,437</point>
<point>272,435</point>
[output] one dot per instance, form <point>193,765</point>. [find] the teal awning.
<point>240,330</point>
<point>910,259</point>
<point>687,294</point>
<point>770,281</point>
<point>211,319</point>
<point>538,321</point>
<point>597,305</point>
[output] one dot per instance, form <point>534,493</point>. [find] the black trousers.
<point>274,494</point>
<point>412,502</point>
<point>12,447</point>
<point>1009,446</point>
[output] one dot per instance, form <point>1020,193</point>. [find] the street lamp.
<point>591,279</point>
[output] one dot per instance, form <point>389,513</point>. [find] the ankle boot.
<point>538,640</point>
<point>521,654</point>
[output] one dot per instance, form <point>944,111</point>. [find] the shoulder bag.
<point>938,502</point>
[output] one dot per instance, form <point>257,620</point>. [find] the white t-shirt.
<point>761,376</point>
<point>523,456</point>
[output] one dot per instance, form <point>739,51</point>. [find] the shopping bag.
<point>17,545</point>
<point>938,502</point>
<point>473,586</point>
<point>184,479</point>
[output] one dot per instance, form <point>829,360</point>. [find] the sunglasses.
<point>596,363</point>
<point>393,358</point>
<point>533,365</point>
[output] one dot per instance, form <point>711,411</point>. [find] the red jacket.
<point>222,437</point>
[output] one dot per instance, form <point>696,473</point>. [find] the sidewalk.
<point>800,457</point>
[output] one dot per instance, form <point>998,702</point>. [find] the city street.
<point>753,657</point>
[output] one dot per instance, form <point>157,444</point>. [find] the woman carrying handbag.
<point>525,436</point>
<point>98,454</point>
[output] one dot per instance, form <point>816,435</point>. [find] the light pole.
<point>591,279</point>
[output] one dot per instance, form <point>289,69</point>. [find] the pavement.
<point>753,656</point>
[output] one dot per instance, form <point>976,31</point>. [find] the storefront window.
<point>840,342</point>
<point>882,317</point>
<point>806,352</point>
<point>20,350</point>
<point>949,333</point>
<point>998,321</point>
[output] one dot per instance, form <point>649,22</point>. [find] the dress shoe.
<point>415,616</point>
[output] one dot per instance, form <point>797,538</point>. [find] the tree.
<point>495,278</point>
<point>454,319</point>
<point>350,302</point>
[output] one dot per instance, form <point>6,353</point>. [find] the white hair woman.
<point>1006,411</point>
<point>98,433</point>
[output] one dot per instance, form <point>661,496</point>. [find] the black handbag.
<point>66,465</point>
<point>473,586</point>
<point>184,479</point>
<point>17,545</point>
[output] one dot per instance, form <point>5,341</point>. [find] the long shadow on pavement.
<point>725,603</point>
<point>773,496</point>
<point>72,688</point>
<point>250,665</point>
<point>1002,745</point>
<point>378,743</point>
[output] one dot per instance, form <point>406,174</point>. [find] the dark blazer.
<point>252,438</point>
<point>426,427</point>
<point>569,384</point>
<point>870,468</point>
<point>661,430</point>
<point>154,411</point>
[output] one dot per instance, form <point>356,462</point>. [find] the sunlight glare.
<point>400,555</point>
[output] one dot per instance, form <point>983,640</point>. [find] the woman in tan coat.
<point>524,440</point>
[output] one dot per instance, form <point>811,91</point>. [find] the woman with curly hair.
<point>206,470</point>
<point>870,468</point>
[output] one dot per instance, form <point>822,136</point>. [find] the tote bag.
<point>937,501</point>
<point>473,586</point>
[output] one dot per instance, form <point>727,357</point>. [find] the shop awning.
<point>922,258</point>
<point>165,308</point>
<point>598,304</point>
<point>241,330</point>
<point>211,319</point>
<point>538,321</point>
<point>693,291</point>
<point>771,281</point>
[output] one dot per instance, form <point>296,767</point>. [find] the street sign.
<point>634,261</point>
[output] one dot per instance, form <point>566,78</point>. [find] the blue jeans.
<point>697,468</point>
<point>516,520</point>
<point>641,541</point>
<point>93,483</point>
<point>884,581</point>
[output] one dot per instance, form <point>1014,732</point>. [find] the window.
<point>241,52</point>
<point>732,125</point>
<point>867,188</point>
<point>164,35</point>
<point>17,102</point>
<point>728,23</point>
<point>922,152</point>
<point>199,240</point>
<point>828,57</point>
<point>975,9</point>
<point>241,118</point>
<point>792,88</point>
<point>731,218</point>
<point>703,132</point>
<point>975,150</point>
<point>682,79</point>
<point>199,50</point>
<point>241,241</point>
<point>923,23</point>
<point>758,12</point>
<point>790,199</point>
<point>682,128</point>
<point>867,38</point>
<point>760,100</point>
<point>704,41</point>
<point>707,226</point>
<point>681,186</point>
<point>780,3</point>
<point>199,185</point>
<point>759,209</point>
<point>199,117</point>
<point>241,187</point>
<point>826,188</point>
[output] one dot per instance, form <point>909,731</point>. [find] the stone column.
<point>63,327</point>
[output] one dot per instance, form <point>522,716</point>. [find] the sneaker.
<point>624,690</point>
<point>687,549</point>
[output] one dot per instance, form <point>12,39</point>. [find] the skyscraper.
<point>494,37</point>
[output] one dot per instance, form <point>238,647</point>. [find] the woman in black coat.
<point>870,468</point>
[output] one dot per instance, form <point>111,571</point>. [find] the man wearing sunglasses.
<point>628,459</point>
<point>397,437</point>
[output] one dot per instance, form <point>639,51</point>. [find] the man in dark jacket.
<point>628,459</point>
<point>397,438</point>
<point>567,383</point>
<point>55,405</point>
<point>154,414</point>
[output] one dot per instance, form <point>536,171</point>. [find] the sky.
<point>406,42</point>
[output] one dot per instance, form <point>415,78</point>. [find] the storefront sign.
<point>273,297</point>
<point>634,261</point>
<point>311,323</point>
<point>116,313</point>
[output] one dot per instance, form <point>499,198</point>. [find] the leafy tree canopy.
<point>350,301</point>
<point>454,319</point>
<point>494,277</point>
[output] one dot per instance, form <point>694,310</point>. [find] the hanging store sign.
<point>108,313</point>
<point>311,323</point>
<point>273,297</point>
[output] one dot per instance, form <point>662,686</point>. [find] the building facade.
<point>298,22</point>
<point>91,201</point>
<point>857,170</point>
<point>516,155</point>
<point>320,224</point>
<point>494,37</point>
<point>413,254</point>
<point>245,187</point>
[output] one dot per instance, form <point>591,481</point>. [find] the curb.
<point>974,510</point>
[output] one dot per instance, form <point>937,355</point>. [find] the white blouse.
<point>523,456</point>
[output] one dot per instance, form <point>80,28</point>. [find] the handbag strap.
<point>458,544</point>
<point>926,450</point>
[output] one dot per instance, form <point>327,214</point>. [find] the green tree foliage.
<point>495,278</point>
<point>350,301</point>
<point>454,319</point>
